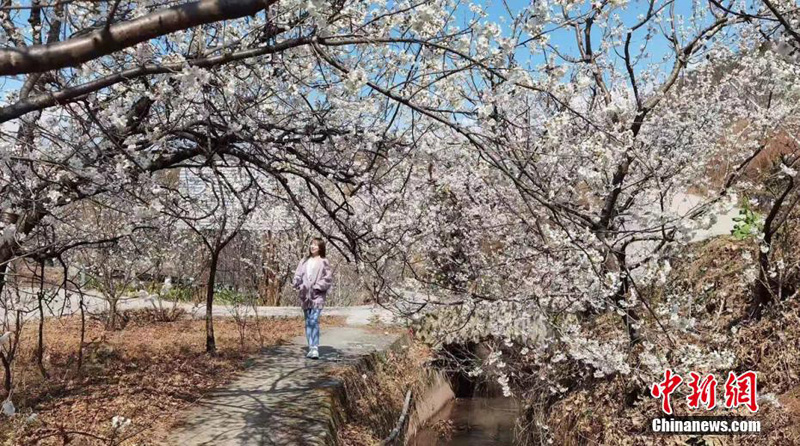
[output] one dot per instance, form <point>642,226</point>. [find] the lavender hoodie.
<point>313,290</point>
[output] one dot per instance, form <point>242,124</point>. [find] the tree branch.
<point>74,51</point>
<point>785,23</point>
<point>67,95</point>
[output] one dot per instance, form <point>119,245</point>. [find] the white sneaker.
<point>313,353</point>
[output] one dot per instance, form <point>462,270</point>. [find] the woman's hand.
<point>298,275</point>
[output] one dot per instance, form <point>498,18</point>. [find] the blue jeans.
<point>312,325</point>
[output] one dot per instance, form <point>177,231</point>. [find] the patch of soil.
<point>146,373</point>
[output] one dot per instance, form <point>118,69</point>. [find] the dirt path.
<point>281,398</point>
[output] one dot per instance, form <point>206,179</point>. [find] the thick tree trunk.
<point>270,284</point>
<point>111,324</point>
<point>211,345</point>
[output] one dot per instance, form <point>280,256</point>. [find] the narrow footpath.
<point>281,399</point>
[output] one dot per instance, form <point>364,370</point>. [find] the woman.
<point>313,278</point>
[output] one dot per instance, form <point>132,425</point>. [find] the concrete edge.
<point>436,392</point>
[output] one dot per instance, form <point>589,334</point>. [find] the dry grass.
<point>147,373</point>
<point>718,169</point>
<point>376,390</point>
<point>712,273</point>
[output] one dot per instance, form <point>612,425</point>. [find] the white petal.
<point>8,408</point>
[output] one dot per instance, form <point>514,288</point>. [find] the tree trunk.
<point>762,294</point>
<point>764,287</point>
<point>6,373</point>
<point>631,316</point>
<point>83,332</point>
<point>3,269</point>
<point>40,343</point>
<point>211,345</point>
<point>269,286</point>
<point>616,263</point>
<point>6,361</point>
<point>111,324</point>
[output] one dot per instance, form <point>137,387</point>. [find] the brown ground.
<point>147,372</point>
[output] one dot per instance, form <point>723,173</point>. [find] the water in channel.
<point>476,421</point>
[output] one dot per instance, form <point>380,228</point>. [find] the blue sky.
<point>657,48</point>
<point>565,39</point>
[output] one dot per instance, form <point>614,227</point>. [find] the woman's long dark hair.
<point>320,244</point>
